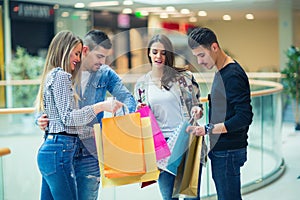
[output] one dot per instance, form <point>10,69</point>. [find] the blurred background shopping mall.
<point>257,33</point>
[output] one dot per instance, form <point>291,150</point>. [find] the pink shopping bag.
<point>161,147</point>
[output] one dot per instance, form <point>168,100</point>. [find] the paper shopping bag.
<point>161,147</point>
<point>152,172</point>
<point>186,181</point>
<point>123,149</point>
<point>178,144</point>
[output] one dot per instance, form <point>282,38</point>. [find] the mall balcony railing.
<point>265,161</point>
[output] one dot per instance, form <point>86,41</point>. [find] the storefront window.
<point>77,20</point>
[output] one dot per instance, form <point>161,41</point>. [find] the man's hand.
<point>197,112</point>
<point>196,130</point>
<point>140,105</point>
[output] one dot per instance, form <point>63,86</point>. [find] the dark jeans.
<point>226,174</point>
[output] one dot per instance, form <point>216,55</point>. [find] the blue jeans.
<point>226,172</point>
<point>87,170</point>
<point>166,184</point>
<point>55,162</point>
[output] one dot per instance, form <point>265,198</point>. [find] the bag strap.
<point>192,118</point>
<point>125,110</point>
<point>124,107</point>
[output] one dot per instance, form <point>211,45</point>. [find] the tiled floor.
<point>287,187</point>
<point>22,180</point>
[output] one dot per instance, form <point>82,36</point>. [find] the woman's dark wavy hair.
<point>170,71</point>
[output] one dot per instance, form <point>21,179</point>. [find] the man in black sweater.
<point>230,113</point>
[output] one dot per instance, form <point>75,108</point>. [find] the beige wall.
<point>254,44</point>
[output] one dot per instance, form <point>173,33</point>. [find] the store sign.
<point>123,21</point>
<point>36,11</point>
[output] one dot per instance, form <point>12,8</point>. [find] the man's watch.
<point>209,128</point>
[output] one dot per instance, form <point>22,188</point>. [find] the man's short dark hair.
<point>201,36</point>
<point>97,38</point>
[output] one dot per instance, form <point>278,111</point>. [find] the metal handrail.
<point>275,87</point>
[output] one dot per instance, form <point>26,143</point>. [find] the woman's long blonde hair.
<point>58,55</point>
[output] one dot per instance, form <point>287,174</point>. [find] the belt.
<point>62,133</point>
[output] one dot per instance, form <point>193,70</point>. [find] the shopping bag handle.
<point>192,118</point>
<point>124,111</point>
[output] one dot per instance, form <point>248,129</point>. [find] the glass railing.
<point>265,161</point>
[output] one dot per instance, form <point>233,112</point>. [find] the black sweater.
<point>230,102</point>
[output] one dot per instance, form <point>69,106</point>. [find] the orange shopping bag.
<point>123,149</point>
<point>152,172</point>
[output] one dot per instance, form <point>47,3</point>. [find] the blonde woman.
<point>58,99</point>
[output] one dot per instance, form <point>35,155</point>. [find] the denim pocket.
<point>99,90</point>
<point>48,159</point>
<point>99,85</point>
<point>238,160</point>
<point>219,154</point>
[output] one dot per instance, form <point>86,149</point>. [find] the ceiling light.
<point>127,11</point>
<point>192,19</point>
<point>202,13</point>
<point>59,24</point>
<point>103,3</point>
<point>144,13</point>
<point>226,17</point>
<point>249,16</point>
<point>65,14</point>
<point>163,15</point>
<point>84,17</point>
<point>56,6</point>
<point>185,11</point>
<point>79,5</point>
<point>127,2</point>
<point>151,9</point>
<point>170,9</point>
